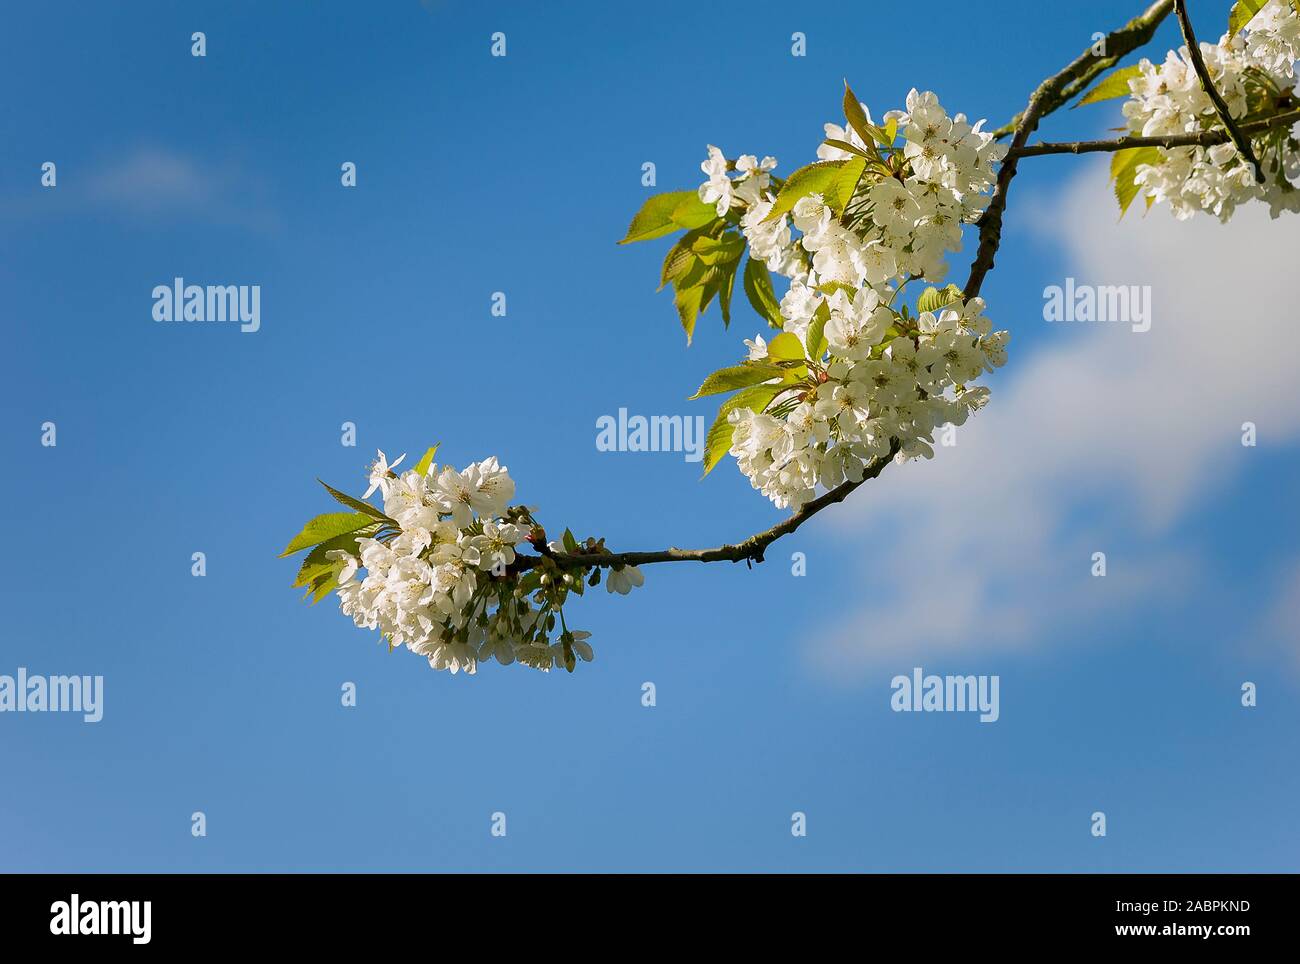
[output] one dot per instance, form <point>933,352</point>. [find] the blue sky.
<point>517,174</point>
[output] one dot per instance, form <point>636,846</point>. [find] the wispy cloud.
<point>1109,435</point>
<point>152,184</point>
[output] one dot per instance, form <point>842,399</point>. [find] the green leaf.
<point>324,527</point>
<point>817,344</point>
<point>757,282</point>
<point>1123,168</point>
<point>426,460</point>
<point>816,178</point>
<point>357,504</point>
<point>1243,11</point>
<point>718,441</point>
<point>728,284</point>
<point>322,586</point>
<point>697,275</point>
<point>317,562</point>
<point>677,260</point>
<point>688,302</point>
<point>841,191</point>
<point>691,212</point>
<point>1114,84</point>
<point>855,115</point>
<point>857,118</point>
<point>655,219</point>
<point>846,146</point>
<point>310,572</point>
<point>934,299</point>
<point>738,376</point>
<point>786,347</point>
<point>721,250</point>
<point>830,287</point>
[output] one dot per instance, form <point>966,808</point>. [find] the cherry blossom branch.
<point>1051,94</point>
<point>1240,141</point>
<point>1201,139</point>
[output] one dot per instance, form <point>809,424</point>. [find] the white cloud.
<point>152,184</point>
<point>1103,434</point>
<point>150,179</point>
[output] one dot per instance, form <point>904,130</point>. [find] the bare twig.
<point>750,549</point>
<point>1240,141</point>
<point>1201,139</point>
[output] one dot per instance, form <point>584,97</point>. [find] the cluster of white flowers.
<point>885,379</point>
<point>441,583</point>
<point>1252,68</point>
<point>894,227</point>
<point>880,375</point>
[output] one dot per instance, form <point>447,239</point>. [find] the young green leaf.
<point>1123,168</point>
<point>718,441</point>
<point>1243,11</point>
<point>816,331</point>
<point>713,251</point>
<point>357,504</point>
<point>1114,84</point>
<point>688,302</point>
<point>692,213</point>
<point>785,347</point>
<point>324,527</point>
<point>856,116</point>
<point>678,259</point>
<point>934,299</point>
<point>846,146</point>
<point>815,178</point>
<point>317,561</point>
<point>655,219</point>
<point>842,188</point>
<point>323,585</point>
<point>727,285</point>
<point>426,460</point>
<point>757,282</point>
<point>738,376</point>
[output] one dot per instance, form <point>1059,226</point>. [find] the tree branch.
<point>1051,94</point>
<point>1201,139</point>
<point>1075,78</point>
<point>1239,140</point>
<point>750,549</point>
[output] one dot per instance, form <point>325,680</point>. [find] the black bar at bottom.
<point>333,912</point>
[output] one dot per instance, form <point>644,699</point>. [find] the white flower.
<point>623,580</point>
<point>719,189</point>
<point>856,327</point>
<point>484,487</point>
<point>350,564</point>
<point>379,472</point>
